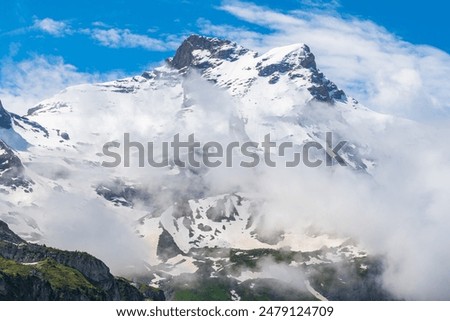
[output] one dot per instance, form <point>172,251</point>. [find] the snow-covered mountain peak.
<point>202,221</point>
<point>214,88</point>
<point>237,69</point>
<point>290,57</point>
<point>203,52</point>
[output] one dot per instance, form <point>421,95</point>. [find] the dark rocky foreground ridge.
<point>36,272</point>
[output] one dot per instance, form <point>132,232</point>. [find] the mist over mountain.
<point>357,232</point>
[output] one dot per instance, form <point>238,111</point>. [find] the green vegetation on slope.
<point>207,290</point>
<point>58,275</point>
<point>48,278</point>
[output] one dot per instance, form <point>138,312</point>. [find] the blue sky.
<point>393,56</point>
<point>168,21</point>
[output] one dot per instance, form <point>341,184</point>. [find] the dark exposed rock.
<point>32,110</point>
<point>35,127</point>
<point>298,59</point>
<point>9,236</point>
<point>65,136</point>
<point>271,69</point>
<point>7,120</point>
<point>148,75</point>
<point>217,48</point>
<point>167,248</point>
<point>323,89</point>
<point>214,51</point>
<point>120,193</point>
<point>35,110</point>
<point>11,170</point>
<point>204,228</point>
<point>224,211</point>
<point>5,117</point>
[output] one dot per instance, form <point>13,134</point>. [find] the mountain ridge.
<point>221,92</point>
<point>36,272</point>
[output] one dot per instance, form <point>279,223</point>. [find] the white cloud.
<point>368,62</point>
<point>321,4</point>
<point>401,211</point>
<point>124,38</point>
<point>402,215</point>
<point>25,83</point>
<point>105,35</point>
<point>52,27</point>
<point>259,15</point>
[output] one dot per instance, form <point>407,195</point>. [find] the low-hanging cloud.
<point>400,211</point>
<point>25,83</point>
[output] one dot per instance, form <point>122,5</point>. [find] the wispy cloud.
<point>368,62</point>
<point>124,38</point>
<point>52,27</point>
<point>399,212</point>
<point>259,15</point>
<point>321,4</point>
<point>23,83</point>
<point>26,82</point>
<point>103,34</point>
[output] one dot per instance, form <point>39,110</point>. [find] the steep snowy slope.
<point>281,93</point>
<point>212,88</point>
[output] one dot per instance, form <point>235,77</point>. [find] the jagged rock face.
<point>213,48</point>
<point>89,266</point>
<point>324,90</point>
<point>205,54</point>
<point>299,58</point>
<point>34,286</point>
<point>5,118</point>
<point>33,272</point>
<point>9,236</point>
<point>167,248</point>
<point>12,171</point>
<point>120,193</point>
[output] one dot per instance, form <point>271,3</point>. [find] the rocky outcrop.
<point>204,53</point>
<point>36,272</point>
<point>167,248</point>
<point>119,193</point>
<point>12,171</point>
<point>9,236</point>
<point>323,89</point>
<point>5,118</point>
<point>210,48</point>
